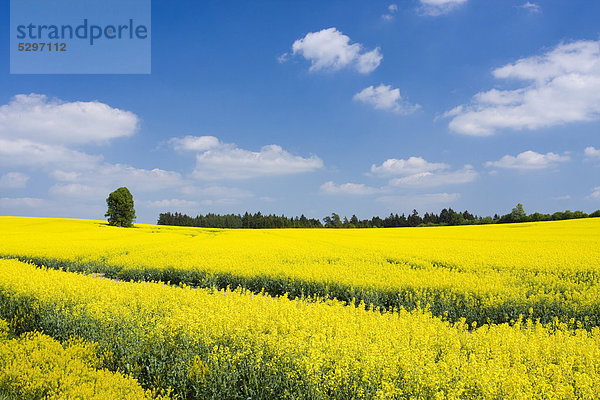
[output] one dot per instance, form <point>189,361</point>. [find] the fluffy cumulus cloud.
<point>595,193</point>
<point>528,160</point>
<point>404,176</point>
<point>36,117</point>
<point>329,49</point>
<point>439,7</point>
<point>416,172</point>
<point>13,180</point>
<point>38,133</point>
<point>591,152</point>
<point>227,161</point>
<point>425,179</point>
<point>347,188</point>
<point>410,166</point>
<point>42,135</point>
<point>561,86</point>
<point>383,97</point>
<point>236,163</point>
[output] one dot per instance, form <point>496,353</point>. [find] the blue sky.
<point>318,107</point>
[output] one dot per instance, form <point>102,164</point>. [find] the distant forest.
<point>445,217</point>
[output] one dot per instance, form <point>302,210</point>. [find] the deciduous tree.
<point>120,208</point>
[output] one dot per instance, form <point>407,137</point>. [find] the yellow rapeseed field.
<point>469,312</point>
<point>488,273</point>
<point>231,344</point>
<point>35,366</point>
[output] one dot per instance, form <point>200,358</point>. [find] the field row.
<point>209,344</point>
<point>481,273</point>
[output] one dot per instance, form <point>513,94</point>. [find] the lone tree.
<point>120,208</point>
<point>518,213</point>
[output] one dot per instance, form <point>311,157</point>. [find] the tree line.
<point>247,220</point>
<point>446,217</point>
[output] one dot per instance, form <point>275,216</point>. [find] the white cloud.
<point>23,152</point>
<point>531,7</point>
<point>592,152</point>
<point>37,118</point>
<point>563,87</point>
<point>227,161</point>
<point>94,179</point>
<point>30,143</point>
<point>415,172</point>
<point>68,165</point>
<point>103,178</point>
<point>435,8</point>
<point>20,202</point>
<point>235,163</point>
<point>172,203</point>
<point>139,179</point>
<point>595,193</point>
<point>36,132</point>
<point>383,97</point>
<point>63,176</point>
<point>39,134</point>
<point>369,61</point>
<point>77,190</point>
<point>412,166</point>
<point>330,49</point>
<point>528,160</point>
<point>419,201</point>
<point>562,198</point>
<point>347,188</point>
<point>44,140</point>
<point>13,180</point>
<point>428,179</point>
<point>392,9</point>
<point>195,143</point>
